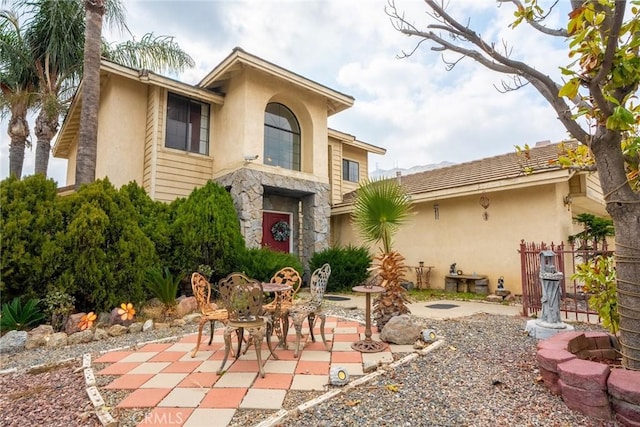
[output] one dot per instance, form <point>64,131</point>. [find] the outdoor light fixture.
<point>338,376</point>
<point>250,158</point>
<point>436,210</point>
<point>567,200</point>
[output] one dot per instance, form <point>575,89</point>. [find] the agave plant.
<point>164,286</point>
<point>381,207</point>
<point>16,315</point>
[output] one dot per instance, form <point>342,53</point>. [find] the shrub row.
<point>92,250</point>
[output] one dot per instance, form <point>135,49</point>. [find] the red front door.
<point>276,231</point>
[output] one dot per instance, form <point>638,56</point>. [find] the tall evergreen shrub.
<point>29,224</point>
<point>106,253</point>
<point>206,231</point>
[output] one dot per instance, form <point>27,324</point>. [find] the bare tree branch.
<point>491,59</point>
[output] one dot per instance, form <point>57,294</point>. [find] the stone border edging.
<point>283,413</point>
<point>586,386</point>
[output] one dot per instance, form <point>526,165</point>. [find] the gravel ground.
<point>484,375</point>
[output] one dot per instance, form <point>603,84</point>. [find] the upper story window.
<point>187,124</point>
<point>281,137</point>
<point>350,170</point>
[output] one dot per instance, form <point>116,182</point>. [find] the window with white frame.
<point>187,124</point>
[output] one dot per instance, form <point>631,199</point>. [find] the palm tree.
<point>381,207</point>
<point>157,53</point>
<point>54,31</point>
<point>87,145</point>
<point>55,35</point>
<point>17,86</point>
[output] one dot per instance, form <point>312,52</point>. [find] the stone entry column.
<point>247,192</point>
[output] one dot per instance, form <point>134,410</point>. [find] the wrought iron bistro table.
<point>271,287</point>
<point>367,345</point>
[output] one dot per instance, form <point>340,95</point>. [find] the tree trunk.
<point>18,132</point>
<point>88,135</point>
<point>623,204</point>
<point>46,128</point>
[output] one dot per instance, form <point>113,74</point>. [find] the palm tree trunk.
<point>87,145</point>
<point>18,132</point>
<point>46,128</point>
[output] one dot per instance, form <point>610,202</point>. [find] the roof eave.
<point>336,101</point>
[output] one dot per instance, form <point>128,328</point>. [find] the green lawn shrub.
<point>263,263</point>
<point>349,266</point>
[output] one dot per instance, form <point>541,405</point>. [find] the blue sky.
<point>413,107</point>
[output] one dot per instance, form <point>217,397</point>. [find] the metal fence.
<point>574,302</point>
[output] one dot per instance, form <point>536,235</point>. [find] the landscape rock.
<point>192,318</point>
<point>401,330</point>
<point>148,325</point>
<point>72,323</point>
<point>38,337</point>
<point>100,334</point>
<point>58,339</point>
<point>135,327</point>
<point>103,319</point>
<point>186,305</point>
<point>116,319</point>
<point>177,323</point>
<point>80,337</point>
<point>161,326</point>
<point>117,330</point>
<point>494,298</point>
<point>13,341</point>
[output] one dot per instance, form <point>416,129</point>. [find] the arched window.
<point>281,137</point>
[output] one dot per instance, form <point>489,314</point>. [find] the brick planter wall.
<point>589,387</point>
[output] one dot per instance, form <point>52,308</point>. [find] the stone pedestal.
<point>543,330</point>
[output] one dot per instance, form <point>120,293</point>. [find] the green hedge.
<point>263,263</point>
<point>349,266</point>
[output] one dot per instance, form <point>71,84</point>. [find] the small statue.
<point>452,268</point>
<point>501,282</point>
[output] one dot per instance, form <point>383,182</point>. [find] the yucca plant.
<point>381,207</point>
<point>164,286</point>
<point>16,315</point>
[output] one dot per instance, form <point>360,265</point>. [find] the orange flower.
<point>126,311</point>
<point>87,321</point>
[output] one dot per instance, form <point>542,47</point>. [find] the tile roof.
<point>504,166</point>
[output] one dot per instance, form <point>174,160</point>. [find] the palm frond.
<point>156,53</point>
<point>381,207</point>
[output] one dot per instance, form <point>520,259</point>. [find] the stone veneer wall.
<point>586,386</point>
<point>250,187</point>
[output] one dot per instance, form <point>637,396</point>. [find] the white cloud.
<point>413,107</point>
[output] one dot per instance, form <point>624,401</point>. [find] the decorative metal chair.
<point>242,297</point>
<point>210,311</point>
<point>286,276</point>
<point>312,308</point>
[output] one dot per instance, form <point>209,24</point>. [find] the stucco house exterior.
<point>256,128</point>
<point>475,214</point>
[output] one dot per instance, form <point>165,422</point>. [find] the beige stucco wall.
<point>461,234</point>
<point>121,131</point>
<point>240,124</point>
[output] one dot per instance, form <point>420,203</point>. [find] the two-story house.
<point>256,128</point>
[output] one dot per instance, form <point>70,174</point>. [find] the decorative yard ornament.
<point>281,231</point>
<point>338,376</point>
<point>549,322</point>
